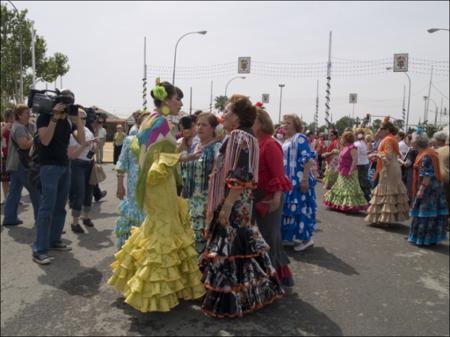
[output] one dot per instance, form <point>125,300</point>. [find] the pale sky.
<point>104,44</point>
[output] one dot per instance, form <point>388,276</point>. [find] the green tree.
<point>376,123</point>
<point>13,26</point>
<point>219,102</point>
<point>345,122</point>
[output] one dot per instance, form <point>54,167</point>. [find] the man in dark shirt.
<point>54,134</point>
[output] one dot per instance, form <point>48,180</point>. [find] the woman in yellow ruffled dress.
<point>158,264</point>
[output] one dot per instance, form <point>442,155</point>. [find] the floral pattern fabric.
<point>430,212</point>
<point>195,176</point>
<point>130,215</point>
<point>237,271</point>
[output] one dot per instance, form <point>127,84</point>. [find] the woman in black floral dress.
<point>238,275</point>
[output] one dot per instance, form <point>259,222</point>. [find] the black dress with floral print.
<point>238,275</point>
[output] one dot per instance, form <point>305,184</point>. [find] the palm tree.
<point>220,102</point>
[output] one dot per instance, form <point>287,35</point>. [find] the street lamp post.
<point>203,32</point>
<point>226,86</point>
<point>409,97</point>
<point>281,97</point>
<point>21,55</point>
<point>435,105</point>
<point>33,58</point>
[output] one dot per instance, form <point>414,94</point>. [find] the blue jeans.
<point>55,182</point>
<point>18,180</point>
<point>80,191</point>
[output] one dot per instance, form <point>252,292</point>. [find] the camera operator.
<point>54,133</point>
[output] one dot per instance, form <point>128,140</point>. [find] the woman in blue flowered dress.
<point>429,208</point>
<point>195,171</point>
<point>130,215</point>
<point>299,212</point>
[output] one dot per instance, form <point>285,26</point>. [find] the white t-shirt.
<point>403,148</point>
<point>101,133</point>
<point>88,136</point>
<point>361,146</point>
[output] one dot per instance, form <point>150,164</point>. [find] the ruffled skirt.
<point>428,231</point>
<point>346,195</point>
<point>238,273</point>
<point>389,204</point>
<point>158,264</point>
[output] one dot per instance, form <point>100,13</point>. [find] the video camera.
<point>40,101</point>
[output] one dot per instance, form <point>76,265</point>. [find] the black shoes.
<point>88,222</point>
<point>42,258</point>
<point>60,247</point>
<point>77,228</point>
<point>102,195</point>
<point>19,222</point>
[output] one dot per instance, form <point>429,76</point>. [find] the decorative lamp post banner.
<point>401,62</point>
<point>265,98</point>
<point>353,98</point>
<point>244,65</point>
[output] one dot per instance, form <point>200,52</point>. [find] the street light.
<point>226,87</point>
<point>433,30</point>
<point>437,109</point>
<point>281,96</point>
<point>203,32</point>
<point>409,97</point>
<point>21,55</point>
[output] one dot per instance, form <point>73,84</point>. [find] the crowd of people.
<point>61,148</point>
<point>209,204</point>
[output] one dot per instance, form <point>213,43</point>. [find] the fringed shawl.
<point>239,140</point>
<point>154,137</point>
<point>388,143</point>
<point>435,162</point>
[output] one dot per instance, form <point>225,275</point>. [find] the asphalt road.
<point>357,280</point>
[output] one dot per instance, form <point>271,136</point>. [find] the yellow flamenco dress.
<point>158,264</point>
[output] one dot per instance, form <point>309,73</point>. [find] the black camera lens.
<point>72,109</point>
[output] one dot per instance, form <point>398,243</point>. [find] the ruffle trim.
<point>277,184</point>
<point>153,277</point>
<point>284,274</point>
<point>397,188</point>
<point>386,218</point>
<point>253,309</point>
<point>346,208</point>
<point>236,184</point>
<point>428,214</point>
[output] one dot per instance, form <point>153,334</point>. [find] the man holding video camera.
<point>54,131</point>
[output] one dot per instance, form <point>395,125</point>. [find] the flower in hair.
<point>159,92</point>
<point>259,105</point>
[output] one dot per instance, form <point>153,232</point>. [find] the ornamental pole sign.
<point>244,65</point>
<point>265,98</point>
<point>353,98</point>
<point>401,62</point>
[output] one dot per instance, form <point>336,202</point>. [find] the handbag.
<point>97,175</point>
<point>24,155</point>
